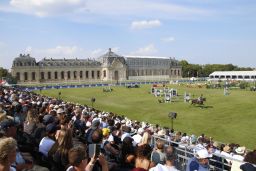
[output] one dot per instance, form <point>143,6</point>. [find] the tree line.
<point>196,70</point>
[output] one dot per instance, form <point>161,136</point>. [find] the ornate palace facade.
<point>109,66</point>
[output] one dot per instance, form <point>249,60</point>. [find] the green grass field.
<point>227,119</point>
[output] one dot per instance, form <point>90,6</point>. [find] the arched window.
<point>92,74</point>
<point>18,76</point>
<point>62,75</point>
<point>98,74</point>
<point>25,76</point>
<point>86,74</point>
<point>49,75</point>
<point>74,74</point>
<point>81,73</point>
<point>68,74</point>
<point>42,75</point>
<point>55,75</point>
<point>33,75</point>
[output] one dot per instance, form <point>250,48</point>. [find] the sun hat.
<point>240,150</point>
<point>202,154</point>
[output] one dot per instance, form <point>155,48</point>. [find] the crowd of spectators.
<point>45,133</point>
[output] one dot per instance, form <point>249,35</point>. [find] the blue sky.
<point>199,31</point>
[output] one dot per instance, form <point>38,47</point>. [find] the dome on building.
<point>24,60</point>
<point>108,58</point>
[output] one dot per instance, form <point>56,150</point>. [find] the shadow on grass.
<point>203,106</point>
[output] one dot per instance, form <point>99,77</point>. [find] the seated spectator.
<point>146,138</point>
<point>7,153</point>
<point>200,162</point>
<point>78,160</point>
<point>47,142</point>
<point>169,164</point>
<point>58,154</point>
<point>30,123</point>
<point>127,153</point>
<point>137,137</point>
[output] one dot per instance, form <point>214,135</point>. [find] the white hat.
<point>240,150</point>
<point>60,110</point>
<point>140,131</point>
<point>202,154</point>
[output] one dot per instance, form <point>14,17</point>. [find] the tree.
<point>7,76</point>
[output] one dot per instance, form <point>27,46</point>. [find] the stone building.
<point>108,67</point>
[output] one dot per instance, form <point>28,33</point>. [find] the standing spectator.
<point>30,123</point>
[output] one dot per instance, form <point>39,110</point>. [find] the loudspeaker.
<point>172,115</point>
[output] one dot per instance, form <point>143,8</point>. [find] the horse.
<point>198,101</point>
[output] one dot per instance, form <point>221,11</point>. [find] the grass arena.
<point>228,119</point>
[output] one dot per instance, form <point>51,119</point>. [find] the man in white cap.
<point>200,162</point>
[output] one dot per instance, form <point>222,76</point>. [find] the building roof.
<point>147,57</point>
<point>249,73</point>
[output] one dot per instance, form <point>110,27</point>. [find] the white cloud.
<point>168,39</point>
<point>44,8</point>
<point>59,51</point>
<point>145,24</point>
<point>91,10</point>
<point>147,50</point>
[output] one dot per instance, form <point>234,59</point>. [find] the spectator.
<point>142,160</point>
<point>7,154</point>
<point>48,141</point>
<point>59,151</point>
<point>78,160</point>
<point>30,123</point>
<point>200,162</point>
<point>169,164</point>
<point>158,155</point>
<point>250,161</point>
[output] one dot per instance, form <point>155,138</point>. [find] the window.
<point>62,75</point>
<point>104,73</point>
<point>33,76</point>
<point>227,76</point>
<point>92,74</point>
<point>55,75</point>
<point>81,74</point>
<point>98,74</point>
<point>74,74</point>
<point>68,74</point>
<point>49,75</point>
<point>246,77</point>
<point>25,76</point>
<point>240,76</point>
<point>42,75</point>
<point>18,76</point>
<point>234,76</point>
<point>87,74</point>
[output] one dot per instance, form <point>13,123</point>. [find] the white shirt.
<point>45,145</point>
<point>137,138</point>
<point>160,167</point>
